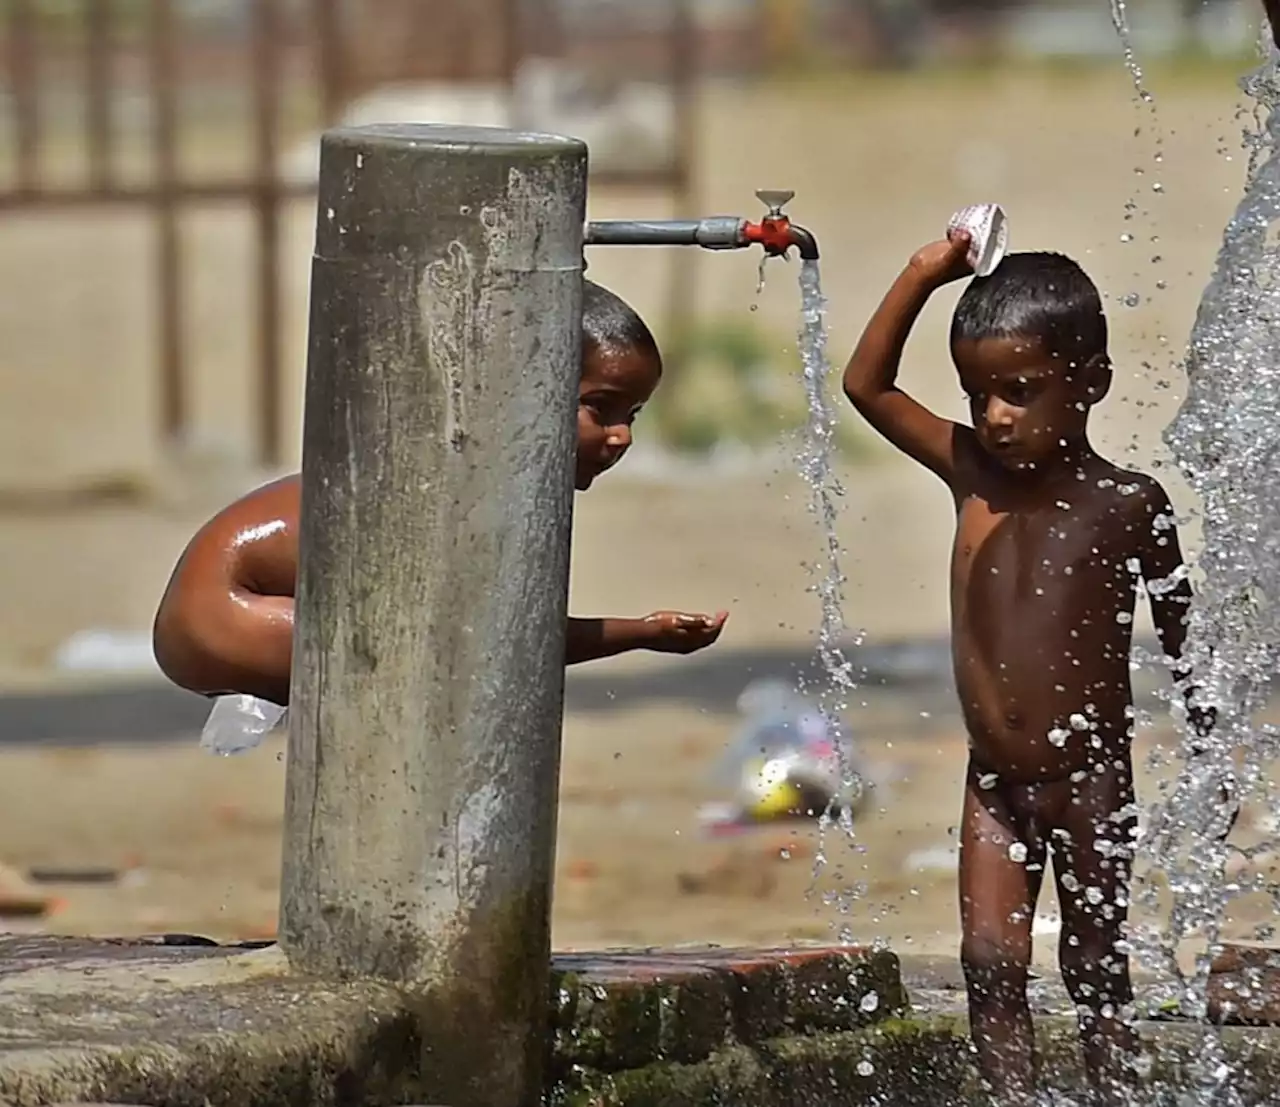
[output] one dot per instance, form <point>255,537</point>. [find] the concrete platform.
<point>171,1024</point>
<point>179,1021</point>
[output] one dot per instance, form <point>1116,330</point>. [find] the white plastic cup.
<point>988,231</point>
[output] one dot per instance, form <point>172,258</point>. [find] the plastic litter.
<point>240,723</point>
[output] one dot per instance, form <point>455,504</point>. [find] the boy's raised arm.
<point>870,379</point>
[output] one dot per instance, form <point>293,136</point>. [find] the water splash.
<point>815,462</point>
<point>1147,190</point>
<point>1224,438</point>
<point>1120,20</point>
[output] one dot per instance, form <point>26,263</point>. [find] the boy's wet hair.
<point>609,322</point>
<point>1038,295</point>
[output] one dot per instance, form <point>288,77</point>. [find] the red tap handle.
<point>773,232</point>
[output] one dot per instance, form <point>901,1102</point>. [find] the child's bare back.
<point>1052,545</point>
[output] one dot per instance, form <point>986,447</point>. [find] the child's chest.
<point>1044,550</point>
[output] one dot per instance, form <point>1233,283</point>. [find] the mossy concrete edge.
<point>233,1030</point>
<point>81,1021</point>
<point>920,1061</point>
<point>909,1062</point>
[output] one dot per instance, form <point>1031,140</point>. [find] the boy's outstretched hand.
<point>943,261</point>
<point>677,632</point>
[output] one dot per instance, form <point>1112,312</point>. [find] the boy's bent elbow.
<point>193,636</point>
<point>215,650</point>
<point>864,396</point>
<point>857,391</point>
<point>178,651</point>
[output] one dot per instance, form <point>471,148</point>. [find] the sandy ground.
<point>878,166</point>
<point>197,841</point>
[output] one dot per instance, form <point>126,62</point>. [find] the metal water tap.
<point>775,232</point>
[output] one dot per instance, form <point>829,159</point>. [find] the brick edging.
<point>626,1009</point>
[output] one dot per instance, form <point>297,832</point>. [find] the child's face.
<point>1027,405</point>
<point>616,384</point>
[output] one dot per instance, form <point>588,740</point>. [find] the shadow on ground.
<point>151,711</point>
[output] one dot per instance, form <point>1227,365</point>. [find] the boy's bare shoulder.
<point>1132,497</point>
<point>1142,490</point>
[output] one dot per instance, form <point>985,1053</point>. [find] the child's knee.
<point>1095,973</point>
<point>991,964</point>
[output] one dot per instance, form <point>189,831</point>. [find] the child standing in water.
<point>1051,542</point>
<point>225,624</point>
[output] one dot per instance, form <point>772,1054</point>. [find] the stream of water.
<point>1224,440</point>
<point>815,461</point>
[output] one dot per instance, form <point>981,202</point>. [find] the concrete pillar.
<point>425,711</point>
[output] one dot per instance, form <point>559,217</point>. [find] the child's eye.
<point>1022,393</point>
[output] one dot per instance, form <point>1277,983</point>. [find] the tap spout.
<point>804,242</point>
<point>718,232</point>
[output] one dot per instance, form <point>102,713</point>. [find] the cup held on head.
<point>988,231</point>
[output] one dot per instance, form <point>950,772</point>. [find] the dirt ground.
<point>196,840</point>
<point>878,165</point>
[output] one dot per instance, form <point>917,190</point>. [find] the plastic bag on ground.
<point>240,723</point>
<point>787,760</point>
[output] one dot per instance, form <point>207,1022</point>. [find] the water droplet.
<point>865,1068</point>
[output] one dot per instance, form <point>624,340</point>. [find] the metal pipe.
<point>719,232</point>
<point>775,233</point>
